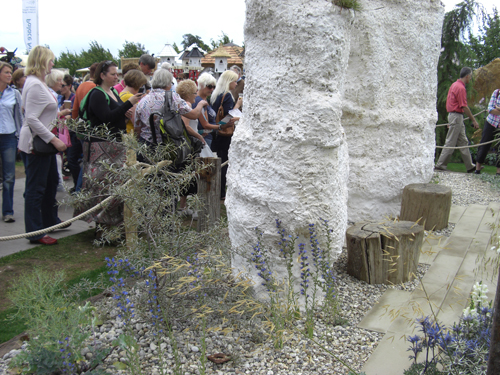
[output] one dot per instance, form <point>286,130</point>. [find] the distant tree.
<point>174,46</point>
<point>190,39</point>
<point>486,46</point>
<point>69,60</point>
<point>224,39</point>
<point>455,54</point>
<point>131,49</point>
<point>95,53</point>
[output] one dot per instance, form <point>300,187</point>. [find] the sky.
<point>72,25</point>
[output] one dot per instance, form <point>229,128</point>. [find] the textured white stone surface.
<point>389,105</point>
<point>288,157</point>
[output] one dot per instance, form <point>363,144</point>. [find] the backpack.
<point>174,132</point>
<point>83,111</point>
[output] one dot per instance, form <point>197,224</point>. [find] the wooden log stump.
<point>427,204</point>
<point>384,252</point>
<point>208,181</point>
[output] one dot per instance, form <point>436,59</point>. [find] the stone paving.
<point>454,268</point>
<point>10,229</point>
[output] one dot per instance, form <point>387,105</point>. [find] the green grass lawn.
<point>460,167</point>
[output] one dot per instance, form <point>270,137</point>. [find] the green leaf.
<point>120,365</point>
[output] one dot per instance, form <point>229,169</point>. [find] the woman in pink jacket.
<point>40,106</point>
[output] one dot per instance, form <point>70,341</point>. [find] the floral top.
<point>153,102</point>
<point>494,101</point>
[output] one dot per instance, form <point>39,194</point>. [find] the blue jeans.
<point>8,151</point>
<point>40,206</point>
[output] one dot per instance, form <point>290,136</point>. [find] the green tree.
<point>176,48</point>
<point>69,60</point>
<point>131,49</point>
<point>190,39</point>
<point>224,39</point>
<point>95,53</point>
<point>486,46</point>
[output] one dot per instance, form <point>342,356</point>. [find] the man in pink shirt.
<point>456,105</point>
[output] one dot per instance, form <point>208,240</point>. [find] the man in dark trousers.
<point>456,105</point>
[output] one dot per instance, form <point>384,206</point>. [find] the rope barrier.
<point>144,172</point>
<point>469,146</point>
<point>477,114</point>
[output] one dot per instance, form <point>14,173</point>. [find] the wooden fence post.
<point>208,192</point>
<point>130,227</point>
<point>494,356</point>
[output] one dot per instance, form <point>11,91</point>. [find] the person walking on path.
<point>456,105</point>
<point>489,130</point>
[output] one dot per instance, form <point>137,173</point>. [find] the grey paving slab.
<point>455,265</point>
<point>456,213</point>
<point>390,356</point>
<point>490,219</point>
<point>389,307</point>
<point>457,246</point>
<point>431,246</point>
<point>473,211</point>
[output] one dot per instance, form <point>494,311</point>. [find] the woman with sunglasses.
<point>222,97</point>
<point>66,92</point>
<point>206,121</point>
<point>104,108</point>
<point>40,106</point>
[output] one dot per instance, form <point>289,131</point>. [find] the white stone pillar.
<point>389,106</point>
<point>288,157</point>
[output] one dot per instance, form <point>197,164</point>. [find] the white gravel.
<point>251,353</point>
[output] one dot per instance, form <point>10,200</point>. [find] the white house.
<point>168,54</point>
<point>221,56</point>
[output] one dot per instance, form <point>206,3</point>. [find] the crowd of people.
<point>35,102</point>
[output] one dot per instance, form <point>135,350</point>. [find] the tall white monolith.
<point>289,157</point>
<point>389,105</point>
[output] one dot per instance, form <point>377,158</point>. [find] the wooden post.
<point>385,252</point>
<point>494,356</point>
<point>429,203</point>
<point>130,228</point>
<point>208,191</point>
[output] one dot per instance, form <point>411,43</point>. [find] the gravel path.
<point>251,353</point>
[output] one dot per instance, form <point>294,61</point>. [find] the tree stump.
<point>384,253</point>
<point>429,203</point>
<point>208,180</point>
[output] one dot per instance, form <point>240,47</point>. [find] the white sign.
<point>30,23</point>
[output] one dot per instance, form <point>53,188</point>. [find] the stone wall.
<point>389,105</point>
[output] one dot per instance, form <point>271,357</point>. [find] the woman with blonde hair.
<point>40,106</point>
<point>133,81</point>
<point>222,97</point>
<point>206,121</point>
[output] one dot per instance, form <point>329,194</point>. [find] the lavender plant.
<point>315,274</point>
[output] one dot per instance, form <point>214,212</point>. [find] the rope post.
<point>130,227</point>
<point>494,356</point>
<point>208,180</point>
